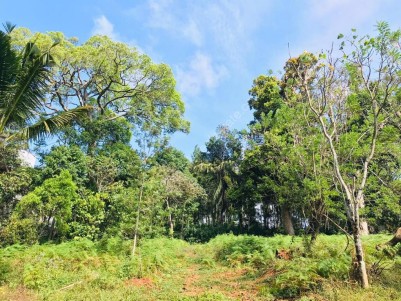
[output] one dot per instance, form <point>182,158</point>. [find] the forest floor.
<point>174,270</point>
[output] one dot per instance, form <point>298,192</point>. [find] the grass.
<point>226,268</point>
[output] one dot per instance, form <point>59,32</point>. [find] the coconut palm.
<point>23,83</point>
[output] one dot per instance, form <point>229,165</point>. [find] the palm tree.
<point>23,83</point>
<point>223,173</point>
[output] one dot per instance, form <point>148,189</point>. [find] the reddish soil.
<point>20,294</point>
<point>140,282</point>
<point>229,283</point>
<point>189,288</point>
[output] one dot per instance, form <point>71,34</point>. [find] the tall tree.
<point>286,158</point>
<point>114,78</point>
<point>353,99</point>
<point>216,169</point>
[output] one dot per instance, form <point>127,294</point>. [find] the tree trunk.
<point>392,242</point>
<point>287,221</point>
<point>315,228</point>
<point>240,219</point>
<point>170,220</point>
<point>363,224</point>
<point>360,262</point>
<point>396,239</point>
<point>364,227</point>
<point>137,215</point>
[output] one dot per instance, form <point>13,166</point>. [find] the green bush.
<point>5,269</point>
<point>114,245</point>
<point>254,251</point>
<point>19,231</point>
<point>158,254</point>
<point>337,268</point>
<point>294,278</point>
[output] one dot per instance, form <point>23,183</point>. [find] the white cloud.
<point>223,27</point>
<point>192,32</point>
<point>160,16</point>
<point>104,27</point>
<point>201,74</point>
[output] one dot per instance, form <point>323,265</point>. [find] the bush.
<point>337,268</point>
<point>5,269</point>
<point>19,231</point>
<point>294,278</point>
<point>158,254</point>
<point>254,251</point>
<point>114,245</point>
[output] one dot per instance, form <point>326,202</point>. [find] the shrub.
<point>5,268</point>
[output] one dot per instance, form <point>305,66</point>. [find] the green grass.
<point>226,268</point>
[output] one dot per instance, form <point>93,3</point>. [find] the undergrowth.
<point>84,270</point>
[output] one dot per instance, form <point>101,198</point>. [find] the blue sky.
<point>215,47</point>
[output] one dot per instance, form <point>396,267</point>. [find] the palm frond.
<point>46,127</point>
<point>204,167</point>
<point>9,67</point>
<point>8,27</point>
<point>218,193</point>
<point>29,90</point>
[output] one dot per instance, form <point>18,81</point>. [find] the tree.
<point>49,206</point>
<point>180,192</point>
<point>216,169</point>
<point>24,79</point>
<point>285,164</point>
<point>353,99</point>
<point>114,78</point>
<point>172,157</point>
<point>69,158</point>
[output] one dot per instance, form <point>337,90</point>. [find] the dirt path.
<point>234,284</point>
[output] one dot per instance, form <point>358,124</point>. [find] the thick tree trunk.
<point>287,221</point>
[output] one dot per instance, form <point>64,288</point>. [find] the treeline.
<point>322,153</point>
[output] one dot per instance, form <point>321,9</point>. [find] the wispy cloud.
<point>192,32</point>
<point>222,27</point>
<point>337,16</point>
<point>104,27</point>
<point>342,10</point>
<point>164,15</point>
<point>200,74</point>
<point>224,24</point>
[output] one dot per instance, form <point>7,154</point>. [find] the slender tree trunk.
<point>287,221</point>
<point>363,222</point>
<point>137,215</point>
<point>170,220</point>
<point>361,266</point>
<point>315,228</point>
<point>51,231</point>
<point>240,219</point>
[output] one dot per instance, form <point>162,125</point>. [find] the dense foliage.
<point>322,154</point>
